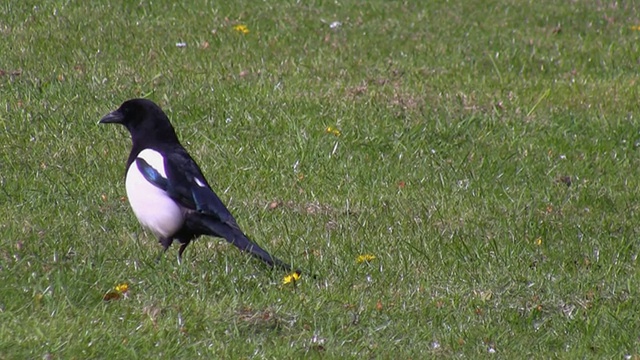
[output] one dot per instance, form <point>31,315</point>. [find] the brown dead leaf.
<point>17,72</point>
<point>358,90</point>
<point>112,295</point>
<point>331,225</point>
<point>273,205</point>
<point>314,252</point>
<point>153,312</point>
<point>565,180</point>
<point>610,19</point>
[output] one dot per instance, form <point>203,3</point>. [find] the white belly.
<point>153,207</point>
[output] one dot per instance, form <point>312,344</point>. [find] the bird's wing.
<point>151,174</point>
<point>185,184</point>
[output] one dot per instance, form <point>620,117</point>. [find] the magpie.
<point>166,188</point>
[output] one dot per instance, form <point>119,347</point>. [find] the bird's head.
<point>143,118</point>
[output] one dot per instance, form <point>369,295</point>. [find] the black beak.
<point>114,117</point>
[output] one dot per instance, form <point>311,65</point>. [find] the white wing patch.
<point>153,207</point>
<point>200,183</point>
<point>154,159</point>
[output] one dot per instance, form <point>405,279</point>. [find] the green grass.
<point>458,120</point>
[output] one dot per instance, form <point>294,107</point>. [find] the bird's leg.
<point>166,242</point>
<point>182,247</point>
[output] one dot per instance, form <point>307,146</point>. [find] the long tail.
<point>214,227</point>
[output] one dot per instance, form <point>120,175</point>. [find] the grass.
<point>461,124</point>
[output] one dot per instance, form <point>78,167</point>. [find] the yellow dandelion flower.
<point>291,278</point>
<point>636,27</point>
<point>122,288</point>
<point>333,131</point>
<point>539,241</point>
<point>241,29</point>
<point>365,258</point>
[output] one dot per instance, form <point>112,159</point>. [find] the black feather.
<point>152,175</point>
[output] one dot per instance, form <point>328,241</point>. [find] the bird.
<point>166,189</point>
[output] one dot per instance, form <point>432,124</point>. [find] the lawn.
<point>484,153</point>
